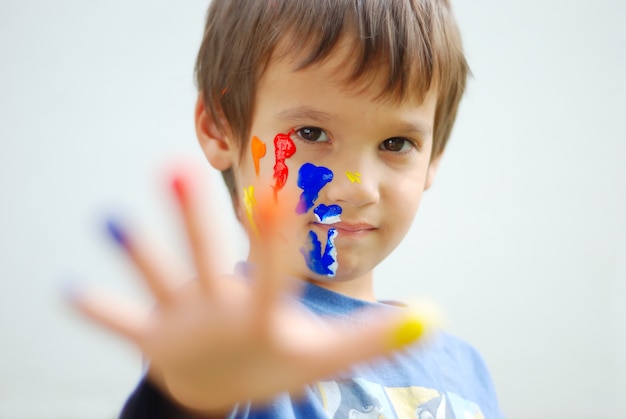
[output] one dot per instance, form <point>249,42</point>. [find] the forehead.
<point>323,93</point>
<point>343,66</point>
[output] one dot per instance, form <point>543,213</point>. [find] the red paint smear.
<point>180,189</point>
<point>258,152</point>
<point>284,148</point>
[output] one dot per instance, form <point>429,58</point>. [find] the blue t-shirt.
<point>442,378</point>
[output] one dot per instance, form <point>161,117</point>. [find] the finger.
<point>384,334</point>
<point>271,218</point>
<point>195,216</point>
<point>156,276</point>
<point>267,284</point>
<point>113,313</point>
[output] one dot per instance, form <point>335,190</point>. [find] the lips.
<point>347,227</point>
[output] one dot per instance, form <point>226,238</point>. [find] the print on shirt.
<point>360,398</point>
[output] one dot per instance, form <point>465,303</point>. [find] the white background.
<point>521,240</point>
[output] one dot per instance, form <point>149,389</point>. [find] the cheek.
<point>270,160</point>
<point>258,149</point>
<point>269,168</point>
<point>403,196</point>
<point>311,179</point>
<point>264,170</point>
<point>284,148</point>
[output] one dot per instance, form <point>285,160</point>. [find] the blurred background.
<point>521,240</point>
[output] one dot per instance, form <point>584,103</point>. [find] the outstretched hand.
<point>216,340</point>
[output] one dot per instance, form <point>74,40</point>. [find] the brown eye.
<point>396,145</point>
<point>312,134</point>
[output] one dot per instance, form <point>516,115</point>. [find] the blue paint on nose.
<point>311,179</point>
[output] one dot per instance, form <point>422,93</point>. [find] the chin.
<point>345,272</point>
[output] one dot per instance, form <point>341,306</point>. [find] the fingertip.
<point>421,318</point>
<point>407,331</point>
<point>181,173</point>
<point>71,291</point>
<point>104,309</point>
<point>428,310</point>
<point>266,214</point>
<point>178,186</point>
<point>272,212</point>
<point>116,232</point>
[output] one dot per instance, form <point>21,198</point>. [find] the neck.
<point>361,288</point>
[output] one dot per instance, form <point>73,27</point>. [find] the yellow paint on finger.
<point>354,177</point>
<point>408,331</point>
<point>422,317</point>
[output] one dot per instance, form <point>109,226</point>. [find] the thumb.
<point>382,333</point>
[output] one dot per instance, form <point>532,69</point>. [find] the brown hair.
<point>416,41</point>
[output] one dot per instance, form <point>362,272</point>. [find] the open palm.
<point>219,340</point>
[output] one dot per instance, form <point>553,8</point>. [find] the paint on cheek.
<point>311,179</point>
<point>284,148</point>
<point>249,202</point>
<point>327,214</point>
<point>354,177</point>
<point>258,149</point>
<point>318,262</point>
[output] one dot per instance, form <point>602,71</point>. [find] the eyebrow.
<point>422,130</point>
<point>306,113</point>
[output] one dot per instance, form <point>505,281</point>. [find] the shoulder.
<point>464,369</point>
<point>450,353</point>
<point>457,349</point>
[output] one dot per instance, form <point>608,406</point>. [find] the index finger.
<point>186,185</point>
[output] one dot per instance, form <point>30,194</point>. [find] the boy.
<point>327,120</point>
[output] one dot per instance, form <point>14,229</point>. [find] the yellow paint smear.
<point>354,177</point>
<point>249,202</point>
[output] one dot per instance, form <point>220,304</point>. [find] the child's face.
<point>376,152</point>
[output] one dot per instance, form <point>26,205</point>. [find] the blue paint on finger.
<point>311,179</point>
<point>116,232</point>
<point>322,263</point>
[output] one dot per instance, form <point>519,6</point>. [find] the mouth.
<point>346,228</point>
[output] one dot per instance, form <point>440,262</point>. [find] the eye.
<point>397,145</point>
<point>313,134</point>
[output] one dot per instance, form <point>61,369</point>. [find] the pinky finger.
<point>110,311</point>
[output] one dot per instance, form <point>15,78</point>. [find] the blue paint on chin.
<point>311,179</point>
<point>325,213</point>
<point>318,262</point>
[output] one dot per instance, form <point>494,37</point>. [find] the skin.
<point>217,341</point>
<point>344,128</point>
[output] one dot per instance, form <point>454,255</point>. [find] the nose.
<point>354,185</point>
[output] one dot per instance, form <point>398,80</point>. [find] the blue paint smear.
<point>322,264</point>
<point>116,232</point>
<point>311,179</point>
<point>323,212</point>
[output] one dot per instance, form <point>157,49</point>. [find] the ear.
<point>216,144</point>
<point>432,171</point>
